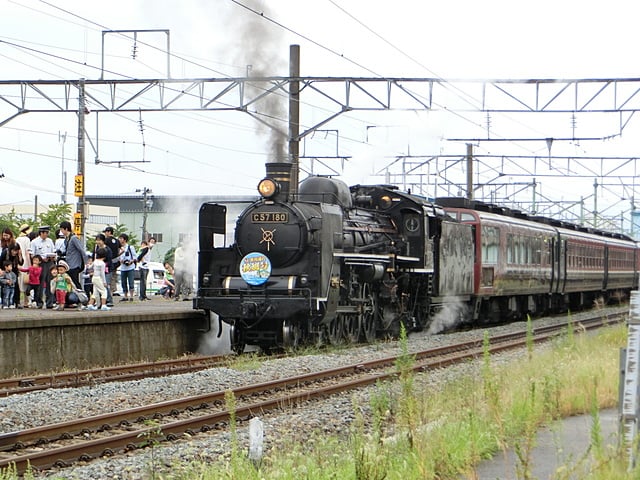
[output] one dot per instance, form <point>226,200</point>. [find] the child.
<point>35,272</point>
<point>61,283</point>
<point>8,281</point>
<point>99,281</point>
<point>87,284</point>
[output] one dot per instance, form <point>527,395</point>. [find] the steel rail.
<point>424,360</point>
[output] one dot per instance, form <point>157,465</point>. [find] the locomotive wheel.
<point>368,315</point>
<point>335,331</point>
<point>291,334</point>
<point>351,328</point>
<point>237,340</point>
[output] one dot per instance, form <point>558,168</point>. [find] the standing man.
<point>43,246</point>
<point>179,264</point>
<point>112,244</point>
<point>144,256</point>
<point>75,254</point>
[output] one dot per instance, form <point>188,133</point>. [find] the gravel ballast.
<point>332,415</point>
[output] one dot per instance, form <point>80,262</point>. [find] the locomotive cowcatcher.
<point>330,264</point>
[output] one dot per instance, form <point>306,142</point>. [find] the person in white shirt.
<point>99,281</point>
<point>42,245</point>
<point>25,244</point>
<point>144,257</point>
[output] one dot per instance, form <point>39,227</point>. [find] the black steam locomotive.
<point>330,263</point>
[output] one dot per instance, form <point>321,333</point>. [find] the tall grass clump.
<point>442,430</point>
<point>419,428</point>
<point>408,413</point>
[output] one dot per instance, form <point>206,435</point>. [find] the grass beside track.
<point>411,430</point>
<point>443,434</point>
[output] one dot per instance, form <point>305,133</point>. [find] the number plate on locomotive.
<point>270,217</point>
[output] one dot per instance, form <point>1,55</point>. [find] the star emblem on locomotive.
<point>267,237</point>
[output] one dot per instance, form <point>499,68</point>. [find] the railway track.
<point>80,378</point>
<point>59,445</point>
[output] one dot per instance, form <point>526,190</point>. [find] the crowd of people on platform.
<point>38,272</point>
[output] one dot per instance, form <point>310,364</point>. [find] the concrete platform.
<point>40,341</point>
<point>557,451</point>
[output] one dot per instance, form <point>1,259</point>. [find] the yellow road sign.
<point>77,223</point>
<point>78,186</point>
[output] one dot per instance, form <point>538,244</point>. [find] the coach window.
<point>535,251</point>
<point>490,244</point>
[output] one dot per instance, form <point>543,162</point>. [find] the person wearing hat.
<point>62,284</point>
<point>25,243</point>
<point>42,245</point>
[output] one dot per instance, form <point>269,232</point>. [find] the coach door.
<point>605,267</point>
<point>561,264</point>
<point>558,264</point>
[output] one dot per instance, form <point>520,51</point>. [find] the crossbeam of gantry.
<point>338,95</point>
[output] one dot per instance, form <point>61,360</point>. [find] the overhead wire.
<point>173,54</point>
<point>33,52</point>
<point>463,95</point>
<point>265,17</point>
<point>281,26</point>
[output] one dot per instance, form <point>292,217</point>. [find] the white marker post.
<point>256,439</point>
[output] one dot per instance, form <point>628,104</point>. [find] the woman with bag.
<point>25,244</point>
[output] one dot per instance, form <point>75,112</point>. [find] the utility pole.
<point>62,138</point>
<point>595,203</point>
<point>147,204</point>
<point>79,218</point>
<point>469,171</point>
<point>294,117</point>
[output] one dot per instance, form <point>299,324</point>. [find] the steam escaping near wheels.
<point>449,317</point>
<point>213,344</point>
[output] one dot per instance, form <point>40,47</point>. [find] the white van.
<point>155,279</point>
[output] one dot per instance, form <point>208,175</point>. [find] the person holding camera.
<point>127,268</point>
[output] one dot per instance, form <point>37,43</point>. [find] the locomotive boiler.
<point>328,263</point>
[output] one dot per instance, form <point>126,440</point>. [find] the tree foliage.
<point>55,214</point>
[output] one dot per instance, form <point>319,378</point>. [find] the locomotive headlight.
<point>385,201</point>
<point>267,188</point>
<point>304,280</point>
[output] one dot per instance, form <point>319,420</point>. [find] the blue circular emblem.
<point>255,268</point>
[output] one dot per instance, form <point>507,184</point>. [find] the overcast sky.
<point>225,152</point>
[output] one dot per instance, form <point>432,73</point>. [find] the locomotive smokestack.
<point>281,173</point>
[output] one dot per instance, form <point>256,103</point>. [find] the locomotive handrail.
<point>384,257</point>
